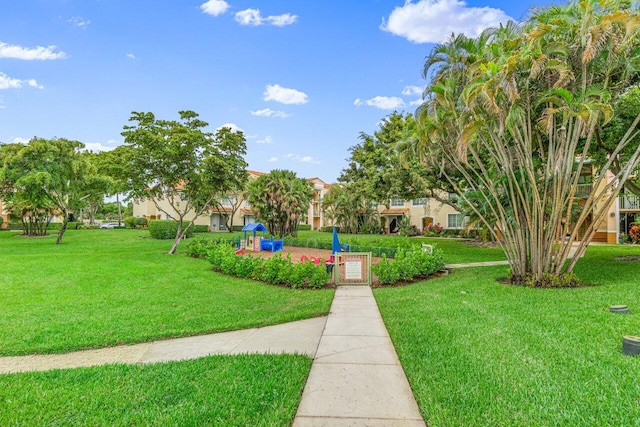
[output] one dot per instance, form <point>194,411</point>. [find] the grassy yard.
<point>217,390</point>
<point>455,250</point>
<point>106,287</point>
<point>477,352</point>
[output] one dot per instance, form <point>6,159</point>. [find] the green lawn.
<point>455,250</point>
<point>217,390</point>
<point>477,352</point>
<point>106,287</point>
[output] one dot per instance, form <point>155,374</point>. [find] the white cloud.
<point>30,54</point>
<point>267,140</point>
<point>131,56</point>
<point>284,95</point>
<point>412,90</point>
<point>416,102</point>
<point>234,127</point>
<point>214,7</point>
<point>433,21</point>
<point>19,140</point>
<point>303,159</point>
<point>79,21</point>
<point>381,102</point>
<point>253,17</point>
<point>268,112</point>
<point>97,146</point>
<point>272,159</point>
<point>7,82</point>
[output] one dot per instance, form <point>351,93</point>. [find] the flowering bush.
<point>634,234</point>
<point>433,230</point>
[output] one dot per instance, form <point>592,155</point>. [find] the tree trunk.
<point>177,240</point>
<point>119,209</point>
<point>62,229</point>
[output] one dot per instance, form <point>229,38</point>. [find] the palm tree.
<point>511,118</point>
<point>280,199</point>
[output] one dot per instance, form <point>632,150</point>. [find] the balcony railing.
<point>629,202</point>
<point>584,190</point>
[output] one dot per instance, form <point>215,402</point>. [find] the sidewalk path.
<point>299,337</point>
<point>477,264</point>
<point>356,378</point>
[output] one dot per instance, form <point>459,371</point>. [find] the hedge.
<point>304,227</point>
<point>200,228</point>
<point>71,225</point>
<point>275,270</point>
<point>164,229</point>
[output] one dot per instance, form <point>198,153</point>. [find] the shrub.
<point>1,221</point>
<point>433,230</point>
<point>304,227</point>
<point>140,222</point>
<point>237,227</point>
<point>166,229</point>
<point>634,234</point>
<point>14,224</point>
<point>130,222</point>
<point>275,270</point>
<point>547,280</point>
<point>200,228</point>
<point>409,264</point>
<point>88,227</point>
<point>71,225</point>
<point>386,271</point>
<point>326,229</point>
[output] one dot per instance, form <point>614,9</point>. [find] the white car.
<point>109,225</point>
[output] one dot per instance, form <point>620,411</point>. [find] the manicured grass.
<point>107,287</point>
<point>477,352</point>
<point>455,250</point>
<point>218,390</point>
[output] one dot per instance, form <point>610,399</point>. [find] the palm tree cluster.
<point>513,118</point>
<point>280,200</point>
<point>349,209</point>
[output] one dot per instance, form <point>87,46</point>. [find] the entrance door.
<point>215,222</point>
<point>426,221</point>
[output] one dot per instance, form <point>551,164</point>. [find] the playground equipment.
<point>254,242</point>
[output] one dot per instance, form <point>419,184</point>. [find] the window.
<point>228,202</point>
<point>247,204</point>
<point>455,220</point>
<point>397,202</point>
<point>420,202</point>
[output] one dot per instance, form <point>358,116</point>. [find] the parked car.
<point>109,225</point>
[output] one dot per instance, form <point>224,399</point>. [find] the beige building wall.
<point>421,212</point>
<point>315,215</point>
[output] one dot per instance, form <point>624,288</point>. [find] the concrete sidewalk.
<point>356,378</point>
<point>299,337</point>
<point>476,264</point>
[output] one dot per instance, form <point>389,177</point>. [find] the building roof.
<point>396,211</point>
<point>222,209</point>
<point>254,226</point>
<point>246,211</point>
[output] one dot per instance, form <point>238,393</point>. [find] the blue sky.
<point>302,79</point>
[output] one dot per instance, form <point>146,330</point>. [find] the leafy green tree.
<point>382,167</point>
<point>280,200</point>
<point>45,175</point>
<point>512,118</point>
<point>181,164</point>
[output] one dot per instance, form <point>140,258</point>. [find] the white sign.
<point>353,269</point>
